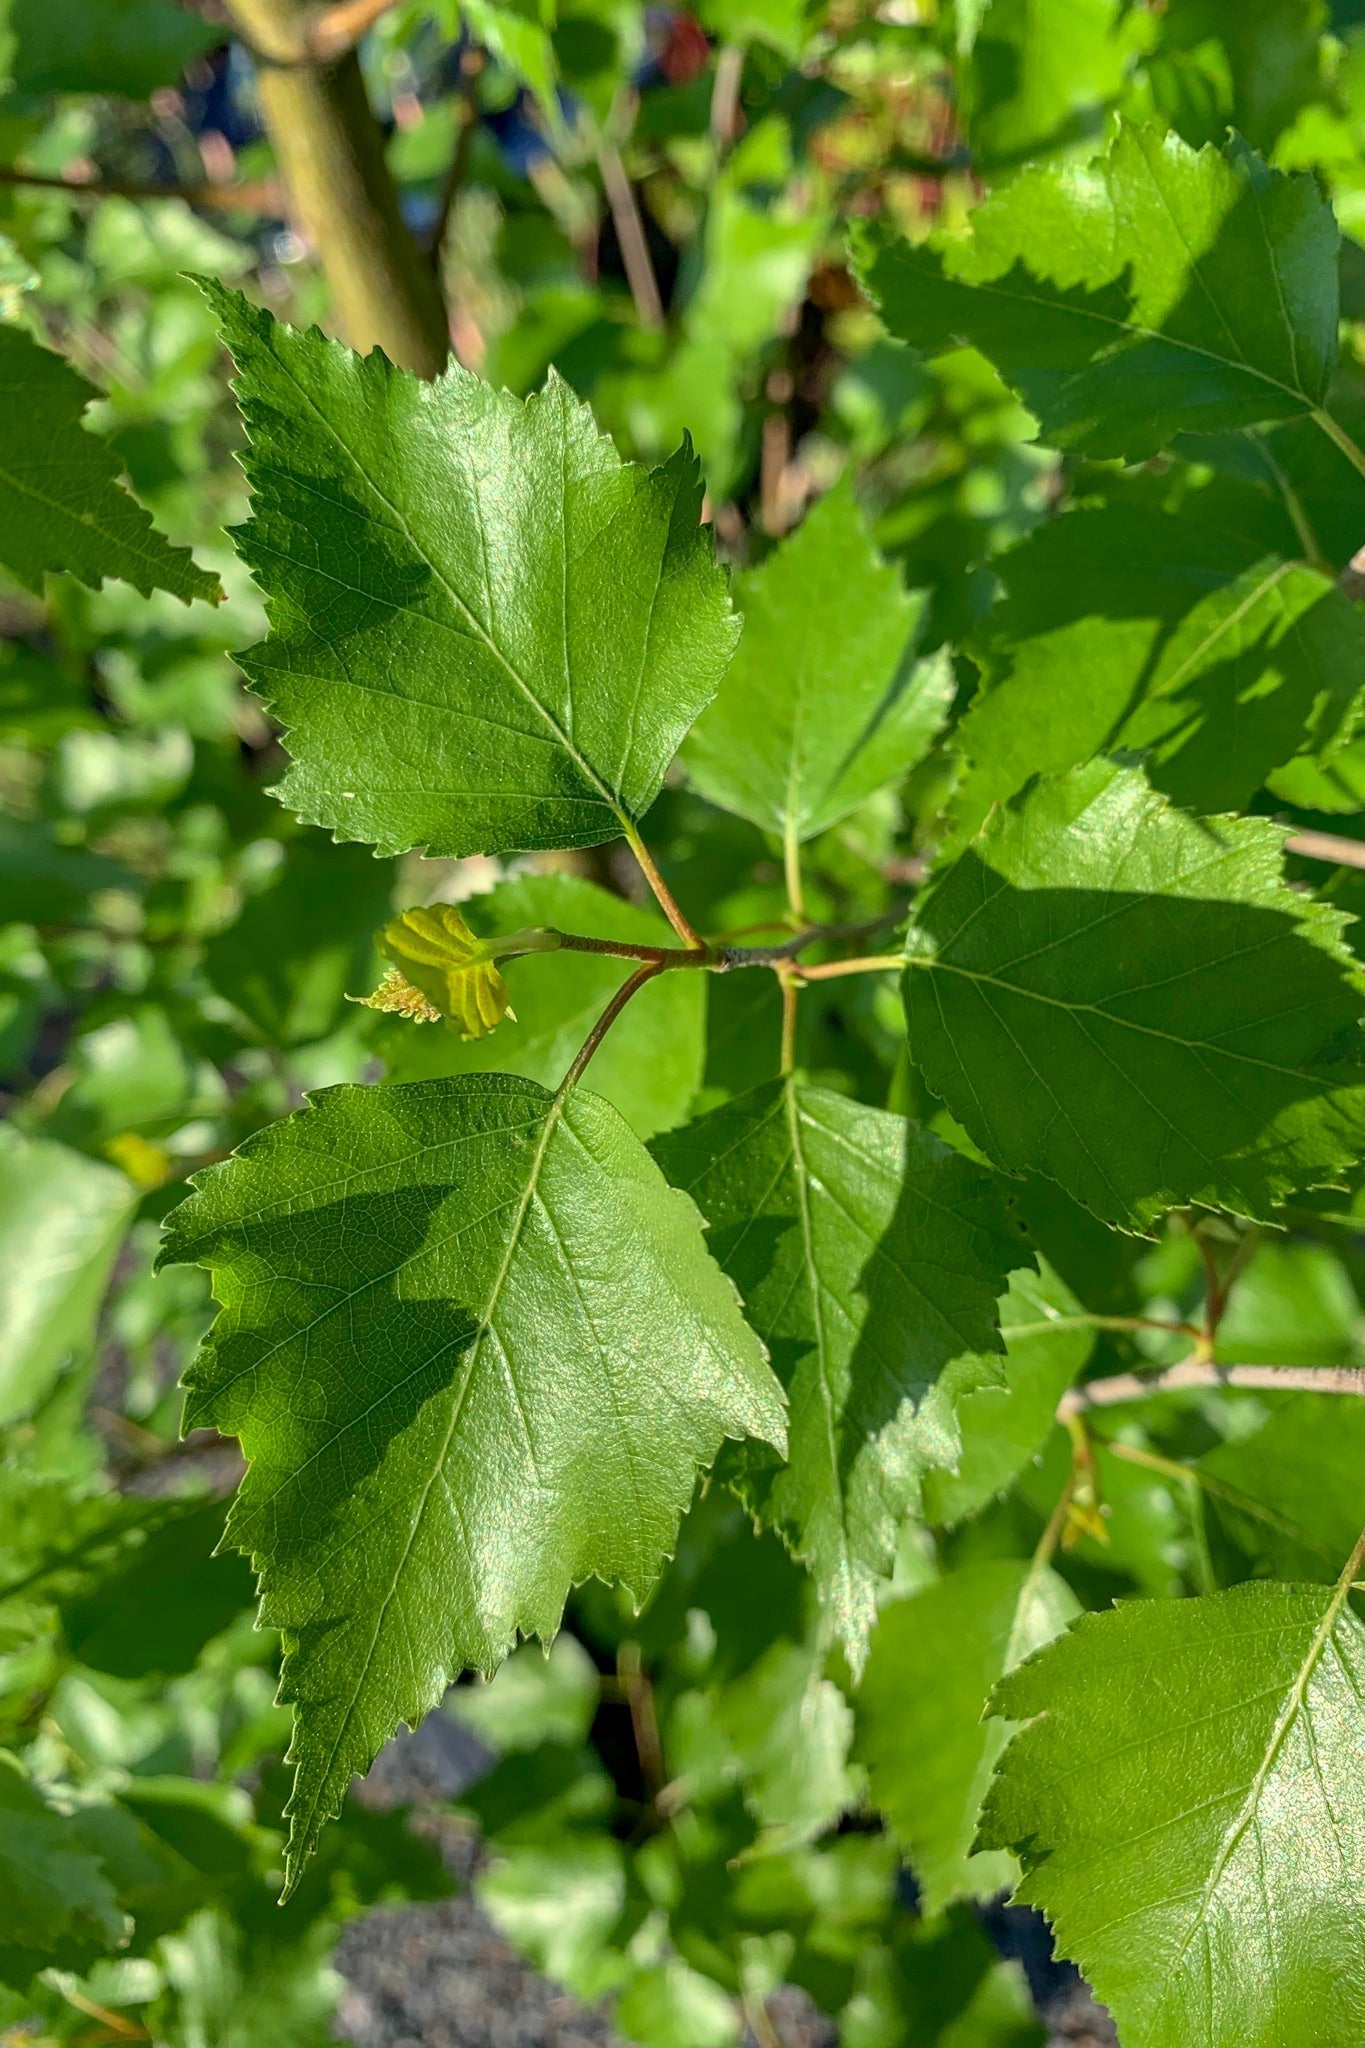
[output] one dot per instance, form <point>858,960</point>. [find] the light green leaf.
<point>780,1731</point>
<point>650,1065</point>
<point>61,506</point>
<point>1047,1342</point>
<point>476,1352</point>
<point>304,942</point>
<point>535,1697</point>
<point>487,632</point>
<point>1292,1495</point>
<point>1132,1002</point>
<point>932,1663</point>
<point>1041,76</point>
<point>440,969</point>
<point>57,1906</point>
<point>106,46</point>
<point>1188,1805</point>
<point>1160,290</point>
<point>1121,631</point>
<point>869,1257</point>
<point>824,702</point>
<point>62,1219</point>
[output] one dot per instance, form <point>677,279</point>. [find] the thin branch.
<point>1217,1489</point>
<point>458,171</point>
<point>338,29</point>
<point>1086,1321</point>
<point>663,895</point>
<point>1338,434</point>
<point>721,959</point>
<point>1206,1372</point>
<point>1328,846</point>
<point>724,118</point>
<point>630,236</point>
<point>259,195</point>
<point>829,970</point>
<point>644,1721</point>
<point>603,1025</point>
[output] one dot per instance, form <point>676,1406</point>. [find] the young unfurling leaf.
<point>442,969</point>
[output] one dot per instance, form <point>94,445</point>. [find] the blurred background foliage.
<point>676,1807</point>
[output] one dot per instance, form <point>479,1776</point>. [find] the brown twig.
<point>1327,846</point>
<point>259,195</point>
<point>630,235</point>
<point>338,29</point>
<point>1207,1372</point>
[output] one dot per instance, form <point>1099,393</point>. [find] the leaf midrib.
<point>1200,1046</point>
<point>553,1115</point>
<point>580,761</point>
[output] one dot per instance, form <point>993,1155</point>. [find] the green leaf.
<point>536,1697</point>
<point>824,702</point>
<point>46,882</point>
<point>62,1220</point>
<point>1187,1804</point>
<point>1273,52</point>
<point>932,1663</point>
<point>869,1257</point>
<point>650,1065</point>
<point>61,506</point>
<point>106,46</point>
<point>1041,75</point>
<point>168,1597</point>
<point>1161,290</point>
<point>1291,1496</point>
<point>1047,1342</point>
<point>938,1984</point>
<point>475,1351</point>
<point>57,1906</point>
<point>304,942</point>
<point>487,632</point>
<point>1132,1002</point>
<point>1165,636</point>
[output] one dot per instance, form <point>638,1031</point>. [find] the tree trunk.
<point>331,159</point>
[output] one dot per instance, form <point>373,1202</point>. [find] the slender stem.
<point>262,195</point>
<point>630,231</point>
<point>644,1721</point>
<point>791,989</point>
<point>828,970</point>
<point>604,1023</point>
<point>725,94</point>
<point>1086,1321</point>
<point>623,949</point>
<point>1327,846</point>
<point>458,171</point>
<point>663,895</point>
<point>122,2028</point>
<point>791,869</point>
<point>1338,434</point>
<point>1046,1548</point>
<point>1299,519</point>
<point>1206,1372</point>
<point>720,959</point>
<point>1217,1489</point>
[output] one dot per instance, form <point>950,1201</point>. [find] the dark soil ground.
<point>442,1977</point>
